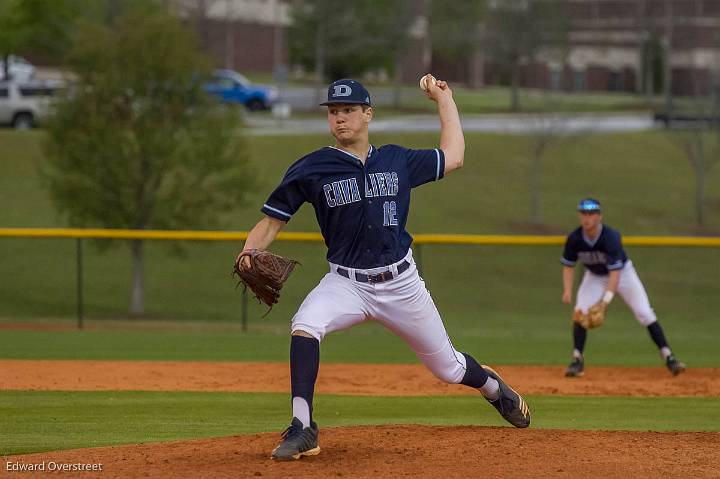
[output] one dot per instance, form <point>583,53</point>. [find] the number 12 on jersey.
<point>390,213</point>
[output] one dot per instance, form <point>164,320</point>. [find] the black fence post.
<point>243,313</point>
<point>79,286</point>
<point>418,257</point>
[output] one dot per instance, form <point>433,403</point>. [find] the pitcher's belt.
<point>375,278</point>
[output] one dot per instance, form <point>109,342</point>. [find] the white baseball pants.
<point>630,289</point>
<point>402,304</point>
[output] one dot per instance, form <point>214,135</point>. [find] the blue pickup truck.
<point>231,87</point>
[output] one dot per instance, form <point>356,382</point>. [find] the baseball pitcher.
<point>361,197</point>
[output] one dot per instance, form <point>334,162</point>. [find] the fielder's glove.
<point>265,275</point>
<point>594,318</point>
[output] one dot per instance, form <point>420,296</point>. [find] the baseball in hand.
<point>426,81</point>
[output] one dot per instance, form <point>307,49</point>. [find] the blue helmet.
<point>589,205</point>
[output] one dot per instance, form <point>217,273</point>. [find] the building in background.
<point>625,45</point>
<point>614,45</point>
<point>630,46</point>
<point>244,35</point>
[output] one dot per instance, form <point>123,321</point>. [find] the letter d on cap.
<point>342,90</point>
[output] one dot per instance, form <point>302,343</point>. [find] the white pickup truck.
<point>24,105</point>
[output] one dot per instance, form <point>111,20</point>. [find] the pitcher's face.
<point>348,122</point>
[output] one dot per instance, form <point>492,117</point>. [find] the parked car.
<point>686,119</point>
<point>231,87</point>
<point>24,105</point>
<point>19,69</point>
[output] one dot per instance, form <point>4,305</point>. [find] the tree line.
<point>135,142</point>
<point>370,35</point>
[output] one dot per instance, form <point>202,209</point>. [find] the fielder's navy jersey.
<point>600,256</point>
<point>361,208</point>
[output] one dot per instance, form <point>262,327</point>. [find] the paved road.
<point>305,99</point>
<point>517,124</point>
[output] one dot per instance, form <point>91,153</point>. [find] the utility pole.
<point>667,64</point>
<point>229,35</point>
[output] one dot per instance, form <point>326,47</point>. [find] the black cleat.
<point>576,368</point>
<point>297,441</point>
<point>674,365</point>
<point>509,404</point>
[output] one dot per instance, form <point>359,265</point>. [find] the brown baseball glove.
<point>594,318</point>
<point>265,275</point>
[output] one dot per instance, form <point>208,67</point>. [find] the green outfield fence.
<point>419,240</point>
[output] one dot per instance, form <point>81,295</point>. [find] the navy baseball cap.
<point>589,205</point>
<point>347,91</point>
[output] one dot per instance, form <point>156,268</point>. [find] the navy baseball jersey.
<point>600,256</point>
<point>361,208</point>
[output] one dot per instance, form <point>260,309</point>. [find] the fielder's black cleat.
<point>509,404</point>
<point>576,368</point>
<point>674,365</point>
<point>297,441</point>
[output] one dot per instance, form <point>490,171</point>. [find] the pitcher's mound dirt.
<point>412,451</point>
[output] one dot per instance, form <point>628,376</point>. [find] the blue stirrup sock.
<point>579,337</point>
<point>476,377</point>
<point>304,365</point>
<point>658,337</point>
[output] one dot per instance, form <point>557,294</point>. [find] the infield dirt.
<point>353,379</point>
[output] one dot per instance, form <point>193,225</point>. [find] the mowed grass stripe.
<point>42,421</point>
<point>493,340</point>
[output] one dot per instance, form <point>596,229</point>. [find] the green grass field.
<point>491,99</point>
<point>497,99</point>
<point>520,340</point>
<point>502,304</point>
<point>41,421</point>
<point>642,179</point>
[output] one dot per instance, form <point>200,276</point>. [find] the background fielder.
<point>607,271</point>
<point>361,197</point>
